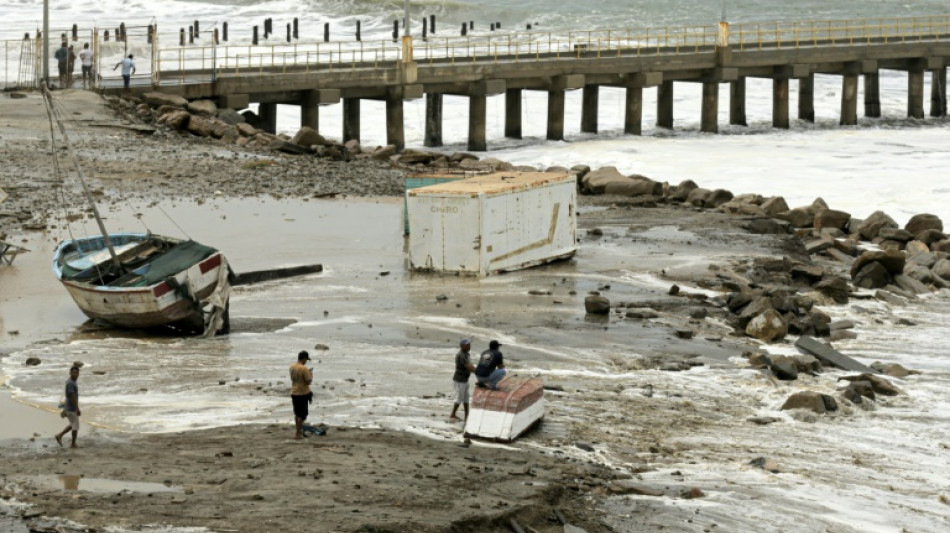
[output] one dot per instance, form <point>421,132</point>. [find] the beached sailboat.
<point>142,280</point>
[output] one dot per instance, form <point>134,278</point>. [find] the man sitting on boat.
<point>491,367</point>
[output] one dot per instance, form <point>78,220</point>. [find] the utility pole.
<point>44,42</point>
<point>408,31</point>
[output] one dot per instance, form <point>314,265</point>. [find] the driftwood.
<point>258,276</point>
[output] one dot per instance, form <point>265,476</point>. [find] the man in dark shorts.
<point>71,411</point>
<point>62,63</point>
<point>300,395</point>
<point>491,367</point>
<point>463,370</point>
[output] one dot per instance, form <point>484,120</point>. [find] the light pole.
<point>408,31</point>
<point>43,42</point>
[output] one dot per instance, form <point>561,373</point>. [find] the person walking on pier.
<point>463,370</point>
<point>71,410</point>
<point>491,367</point>
<point>86,57</point>
<point>300,394</point>
<point>62,63</point>
<point>128,68</point>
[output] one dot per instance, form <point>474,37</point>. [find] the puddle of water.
<point>76,482</point>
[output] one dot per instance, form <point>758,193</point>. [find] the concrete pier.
<point>555,115</point>
<point>709,121</point>
<point>806,98</point>
<point>513,113</point>
<point>872,94</point>
<point>310,110</point>
<point>267,111</point>
<point>664,105</point>
<point>589,107</point>
<point>849,100</point>
<point>633,110</point>
<point>938,92</point>
<point>351,119</point>
<point>915,93</point>
<point>780,103</point>
<point>395,131</point>
<point>477,108</point>
<point>737,103</point>
<point>433,134</point>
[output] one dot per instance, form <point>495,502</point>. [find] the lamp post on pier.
<point>43,42</point>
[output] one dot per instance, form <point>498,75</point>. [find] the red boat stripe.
<point>161,289</point>
<point>213,262</point>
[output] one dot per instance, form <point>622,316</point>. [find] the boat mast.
<point>82,179</point>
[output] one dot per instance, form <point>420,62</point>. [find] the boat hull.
<point>507,413</point>
<point>180,300</point>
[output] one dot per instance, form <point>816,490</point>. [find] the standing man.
<point>62,63</point>
<point>491,367</point>
<point>300,395</point>
<point>128,68</point>
<point>71,409</point>
<point>86,57</point>
<point>463,370</point>
<point>70,66</point>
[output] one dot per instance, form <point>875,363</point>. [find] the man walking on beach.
<point>62,63</point>
<point>491,367</point>
<point>86,57</point>
<point>463,370</point>
<point>128,68</point>
<point>300,395</point>
<point>71,410</point>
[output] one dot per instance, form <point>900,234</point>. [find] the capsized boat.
<point>507,413</point>
<point>150,281</point>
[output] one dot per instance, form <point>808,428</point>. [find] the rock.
<point>384,152</point>
<point>763,420</point>
<point>580,171</point>
<point>910,284</point>
<point>597,305</point>
<point>774,205</point>
<point>872,276</point>
<point>718,197</point>
<point>178,120</point>
<point>842,334</point>
<point>766,226</point>
<point>17,96</point>
<point>156,99</point>
<point>699,196</point>
<point>289,147</point>
<point>878,384</point>
<point>353,146</point>
<point>681,191</point>
<point>642,314</point>
<point>919,273</point>
<point>819,245</point>
<point>246,130</point>
<point>557,169</point>
<point>809,273</point>
<point>891,298</point>
<point>915,247</point>
<point>307,136</point>
<point>458,157</point>
<point>841,324</point>
<point>205,108</point>
<point>596,181</point>
<point>634,187</point>
<point>893,261</point>
<point>922,222</point>
<point>698,313</point>
<point>765,464</point>
<point>323,347</point>
<point>812,401</point>
<point>32,361</point>
<point>872,225</point>
<point>893,370</point>
<point>758,305</point>
<point>799,217</point>
<point>941,246</point>
<point>930,236</point>
<point>783,367</point>
<point>200,126</point>
<point>684,333</point>
<point>674,290</point>
<point>230,116</point>
<point>584,446</point>
<point>497,164</point>
<point>768,326</point>
<point>895,234</point>
<point>831,218</point>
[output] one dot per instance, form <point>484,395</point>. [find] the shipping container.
<point>493,223</point>
<point>424,179</point>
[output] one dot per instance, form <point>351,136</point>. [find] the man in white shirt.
<point>128,68</point>
<point>86,57</point>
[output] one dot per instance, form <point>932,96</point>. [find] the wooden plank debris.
<point>258,276</point>
<point>828,355</point>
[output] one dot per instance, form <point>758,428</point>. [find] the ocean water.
<point>877,470</point>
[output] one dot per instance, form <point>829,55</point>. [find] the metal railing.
<point>196,63</point>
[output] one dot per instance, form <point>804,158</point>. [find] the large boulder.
<point>634,186</point>
<point>872,225</point>
<point>774,205</point>
<point>871,276</point>
<point>230,116</point>
<point>718,197</point>
<point>800,217</point>
<point>596,181</point>
<point>895,234</point>
<point>176,119</point>
<point>307,136</point>
<point>813,401</point>
<point>831,219</point>
<point>681,192</point>
<point>205,108</point>
<point>200,126</point>
<point>923,221</point>
<point>768,326</point>
<point>157,99</point>
<point>893,261</point>
<point>597,305</point>
<point>699,196</point>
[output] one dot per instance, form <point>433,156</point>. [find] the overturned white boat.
<point>507,413</point>
<point>146,281</point>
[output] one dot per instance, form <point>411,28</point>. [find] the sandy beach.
<point>648,428</point>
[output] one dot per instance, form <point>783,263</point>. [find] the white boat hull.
<point>506,414</point>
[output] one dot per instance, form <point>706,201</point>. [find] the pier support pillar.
<point>664,105</point>
<point>513,113</point>
<point>938,92</point>
<point>709,121</point>
<point>737,103</point>
<point>780,103</point>
<point>556,115</point>
<point>268,114</point>
<point>872,95</point>
<point>310,110</point>
<point>433,135</point>
<point>915,94</point>
<point>806,98</point>
<point>849,100</point>
<point>351,119</point>
<point>395,132</point>
<point>477,106</point>
<point>633,111</point>
<point>591,99</point>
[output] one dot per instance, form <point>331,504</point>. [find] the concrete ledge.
<point>234,101</point>
<point>645,79</point>
<point>569,81</point>
<point>488,88</point>
<point>869,66</point>
<point>935,63</point>
<point>327,96</point>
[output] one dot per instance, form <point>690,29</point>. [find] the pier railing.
<point>166,64</point>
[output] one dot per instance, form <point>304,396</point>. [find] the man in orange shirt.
<point>300,395</point>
